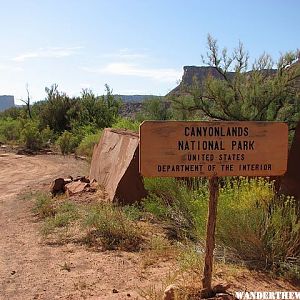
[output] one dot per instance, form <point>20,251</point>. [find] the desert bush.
<point>155,205</point>
<point>13,113</point>
<point>87,144</point>
<point>64,213</point>
<point>155,108</point>
<point>101,111</point>
<point>125,123</point>
<point>24,131</point>
<point>57,111</point>
<point>252,219</point>
<point>67,142</point>
<point>289,270</point>
<point>257,223</point>
<point>44,205</point>
<point>9,130</point>
<point>47,136</point>
<point>179,204</point>
<point>114,229</point>
<point>31,136</point>
<point>81,131</point>
<point>132,212</point>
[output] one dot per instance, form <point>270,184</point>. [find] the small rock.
<point>13,272</point>
<point>75,187</point>
<point>170,292</point>
<point>68,180</point>
<point>82,179</point>
<point>57,186</point>
<point>115,291</point>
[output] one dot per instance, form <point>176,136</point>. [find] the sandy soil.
<point>33,269</point>
<point>30,268</point>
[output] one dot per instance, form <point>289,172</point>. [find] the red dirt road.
<point>32,269</point>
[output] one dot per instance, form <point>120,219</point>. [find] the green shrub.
<point>156,206</point>
<point>67,142</point>
<point>26,132</point>
<point>81,131</point>
<point>289,270</point>
<point>114,229</point>
<point>125,123</point>
<point>257,223</point>
<point>44,206</point>
<point>132,212</point>
<point>86,146</point>
<point>251,220</point>
<point>155,108</point>
<point>9,130</point>
<point>31,136</point>
<point>63,214</point>
<point>47,136</point>
<point>68,207</point>
<point>175,201</point>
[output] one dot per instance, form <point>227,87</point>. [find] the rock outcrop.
<point>6,101</point>
<point>290,182</point>
<point>115,166</point>
<point>191,73</point>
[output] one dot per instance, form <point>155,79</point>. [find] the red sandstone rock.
<point>290,182</point>
<point>82,179</point>
<point>115,166</point>
<point>75,187</point>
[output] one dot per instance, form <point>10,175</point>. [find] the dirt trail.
<point>33,269</point>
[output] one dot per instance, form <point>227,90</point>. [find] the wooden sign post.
<point>210,233</point>
<point>212,149</point>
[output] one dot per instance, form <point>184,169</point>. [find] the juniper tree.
<point>268,91</point>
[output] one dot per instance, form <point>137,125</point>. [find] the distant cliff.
<point>200,73</point>
<point>6,101</point>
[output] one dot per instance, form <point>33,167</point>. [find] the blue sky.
<point>137,47</point>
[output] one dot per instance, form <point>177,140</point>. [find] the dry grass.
<point>110,226</point>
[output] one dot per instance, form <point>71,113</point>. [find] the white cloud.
<point>54,52</point>
<point>125,54</point>
<point>126,69</point>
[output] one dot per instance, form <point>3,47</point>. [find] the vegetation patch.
<point>86,146</point>
<point>253,224</point>
<point>113,228</point>
<point>44,206</point>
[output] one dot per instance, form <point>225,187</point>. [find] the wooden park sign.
<point>212,149</point>
<point>193,149</point>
